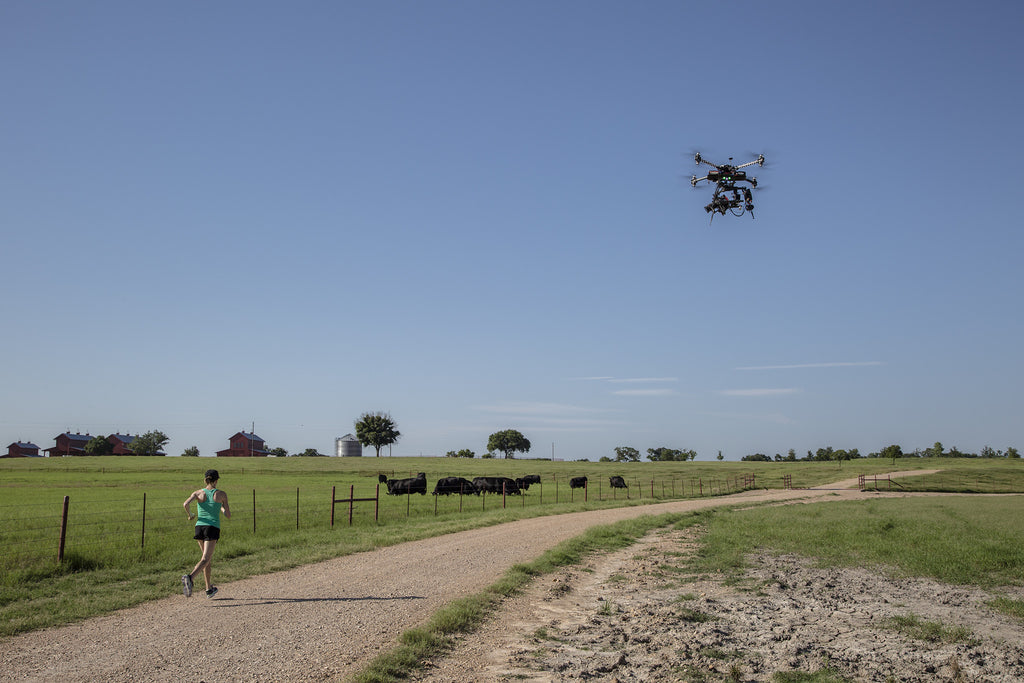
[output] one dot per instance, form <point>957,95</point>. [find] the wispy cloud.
<point>644,392</point>
<point>643,380</point>
<point>796,366</point>
<point>624,380</point>
<point>774,418</point>
<point>550,416</point>
<point>536,408</point>
<point>757,393</point>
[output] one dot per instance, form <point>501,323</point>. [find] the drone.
<point>728,196</point>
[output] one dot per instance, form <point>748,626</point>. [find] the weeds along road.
<point>322,621</point>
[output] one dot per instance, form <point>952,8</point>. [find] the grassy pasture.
<point>964,540</point>
<point>281,514</point>
<point>975,540</point>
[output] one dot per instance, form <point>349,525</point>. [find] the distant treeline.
<point>893,451</point>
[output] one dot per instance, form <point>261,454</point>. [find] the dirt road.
<point>318,622</point>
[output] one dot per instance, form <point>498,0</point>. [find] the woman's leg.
<point>206,547</point>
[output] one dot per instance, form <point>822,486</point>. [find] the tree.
<point>377,430</point>
<point>279,452</point>
<point>464,453</point>
<point>756,457</point>
<point>893,451</point>
<point>190,452</point>
<point>150,443</point>
<point>663,454</point>
<point>508,442</point>
<point>1012,452</point>
<point>309,453</point>
<point>935,451</point>
<point>720,456</point>
<point>626,454</point>
<point>99,446</point>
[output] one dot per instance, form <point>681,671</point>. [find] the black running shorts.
<point>207,533</point>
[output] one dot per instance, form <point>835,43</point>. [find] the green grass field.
<point>128,539</point>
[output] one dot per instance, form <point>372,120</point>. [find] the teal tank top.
<point>208,510</point>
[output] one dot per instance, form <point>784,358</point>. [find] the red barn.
<point>244,445</point>
<point>20,449</point>
<point>122,444</point>
<point>69,444</point>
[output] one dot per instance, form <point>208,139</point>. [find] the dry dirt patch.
<point>639,615</point>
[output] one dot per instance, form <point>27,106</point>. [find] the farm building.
<point>69,444</point>
<point>348,446</point>
<point>22,449</point>
<point>244,445</point>
<point>122,444</point>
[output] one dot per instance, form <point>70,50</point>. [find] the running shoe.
<point>186,581</point>
<point>213,591</point>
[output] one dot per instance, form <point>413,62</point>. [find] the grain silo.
<point>348,446</point>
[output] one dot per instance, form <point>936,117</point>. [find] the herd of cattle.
<point>506,485</point>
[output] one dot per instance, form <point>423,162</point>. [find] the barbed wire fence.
<point>91,531</point>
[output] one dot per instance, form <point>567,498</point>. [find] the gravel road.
<point>318,622</point>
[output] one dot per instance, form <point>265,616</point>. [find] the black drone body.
<point>729,197</point>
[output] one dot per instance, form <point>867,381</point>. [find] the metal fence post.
<point>143,520</point>
<point>63,530</point>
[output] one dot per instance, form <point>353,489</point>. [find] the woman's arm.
<point>188,502</point>
<point>222,498</point>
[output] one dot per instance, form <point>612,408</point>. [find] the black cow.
<point>398,487</point>
<point>522,483</point>
<point>449,485</point>
<point>531,479</point>
<point>496,485</point>
<point>617,482</point>
<point>578,483</point>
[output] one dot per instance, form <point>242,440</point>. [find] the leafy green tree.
<point>756,457</point>
<point>279,452</point>
<point>935,451</point>
<point>663,454</point>
<point>604,458</point>
<point>626,454</point>
<point>150,443</point>
<point>720,456</point>
<point>99,445</point>
<point>377,430</point>
<point>309,453</point>
<point>1012,452</point>
<point>893,451</point>
<point>508,442</point>
<point>464,453</point>
<point>190,452</point>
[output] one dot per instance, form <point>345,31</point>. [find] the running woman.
<point>210,502</point>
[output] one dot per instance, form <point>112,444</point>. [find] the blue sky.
<point>477,216</point>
